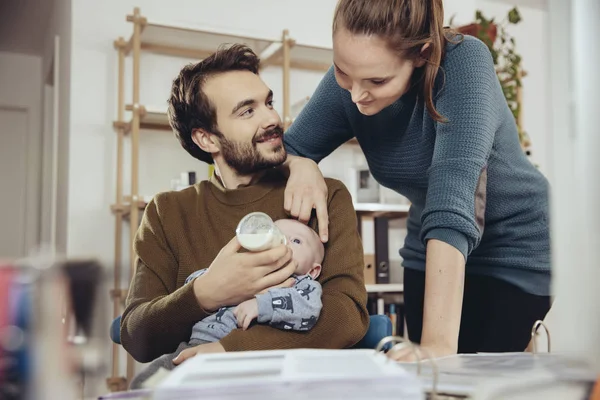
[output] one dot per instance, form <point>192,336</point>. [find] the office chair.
<point>380,326</point>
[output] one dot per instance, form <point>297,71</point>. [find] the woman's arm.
<point>453,219</point>
<point>306,190</point>
<point>444,284</point>
<point>321,127</point>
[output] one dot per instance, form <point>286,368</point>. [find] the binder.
<point>365,225</point>
<point>382,250</point>
<point>369,270</point>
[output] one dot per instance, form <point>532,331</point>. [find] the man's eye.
<point>247,113</point>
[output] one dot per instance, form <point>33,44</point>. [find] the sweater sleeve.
<point>472,102</point>
<point>322,125</point>
<point>157,316</point>
<point>344,319</point>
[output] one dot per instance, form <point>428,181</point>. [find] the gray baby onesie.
<point>295,308</point>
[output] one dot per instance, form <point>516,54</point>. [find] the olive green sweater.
<point>183,231</point>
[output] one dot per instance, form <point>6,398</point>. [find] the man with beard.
<point>222,113</point>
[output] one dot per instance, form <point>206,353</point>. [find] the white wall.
<point>576,239</point>
<point>462,12</point>
<point>532,43</point>
<point>20,87</point>
<point>583,295</point>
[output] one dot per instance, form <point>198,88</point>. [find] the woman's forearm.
<point>444,285</point>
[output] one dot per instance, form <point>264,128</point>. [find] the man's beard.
<point>246,159</point>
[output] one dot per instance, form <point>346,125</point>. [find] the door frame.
<point>31,209</point>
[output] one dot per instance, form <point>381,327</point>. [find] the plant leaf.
<point>513,16</point>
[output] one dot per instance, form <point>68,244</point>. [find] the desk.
<point>512,376</point>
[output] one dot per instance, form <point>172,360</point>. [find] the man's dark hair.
<point>190,108</point>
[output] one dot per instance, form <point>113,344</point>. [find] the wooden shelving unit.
<point>172,40</point>
<point>155,118</point>
<point>186,41</point>
<point>192,42</point>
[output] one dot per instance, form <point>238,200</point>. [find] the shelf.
<point>382,210</point>
<point>315,58</point>
<point>190,41</point>
<point>151,118</point>
<point>155,118</point>
<point>385,288</point>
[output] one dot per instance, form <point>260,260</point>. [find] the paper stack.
<point>478,375</point>
<point>292,375</point>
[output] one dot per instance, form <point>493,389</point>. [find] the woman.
<point>429,114</point>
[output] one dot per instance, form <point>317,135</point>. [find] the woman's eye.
<point>381,82</point>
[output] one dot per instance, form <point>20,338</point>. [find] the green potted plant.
<point>506,59</point>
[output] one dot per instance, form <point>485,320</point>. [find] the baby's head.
<point>306,245</point>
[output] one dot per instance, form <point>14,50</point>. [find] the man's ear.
<point>424,55</point>
<point>315,271</point>
<point>206,141</point>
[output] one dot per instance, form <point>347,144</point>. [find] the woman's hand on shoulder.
<point>306,189</point>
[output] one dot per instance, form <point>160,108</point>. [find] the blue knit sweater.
<point>468,180</point>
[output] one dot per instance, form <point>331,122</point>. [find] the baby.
<point>295,308</point>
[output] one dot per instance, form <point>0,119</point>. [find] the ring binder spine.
<point>534,329</point>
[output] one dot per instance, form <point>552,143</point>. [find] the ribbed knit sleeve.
<point>472,102</point>
<point>322,125</point>
<point>158,315</point>
<point>344,318</point>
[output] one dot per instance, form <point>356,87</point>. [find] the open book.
<point>290,374</point>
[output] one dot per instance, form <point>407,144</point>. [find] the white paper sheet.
<point>291,374</point>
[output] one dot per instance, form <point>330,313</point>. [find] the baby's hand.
<point>246,312</point>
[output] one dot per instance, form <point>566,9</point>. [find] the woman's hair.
<point>406,25</point>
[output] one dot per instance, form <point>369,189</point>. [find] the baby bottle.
<point>257,232</point>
